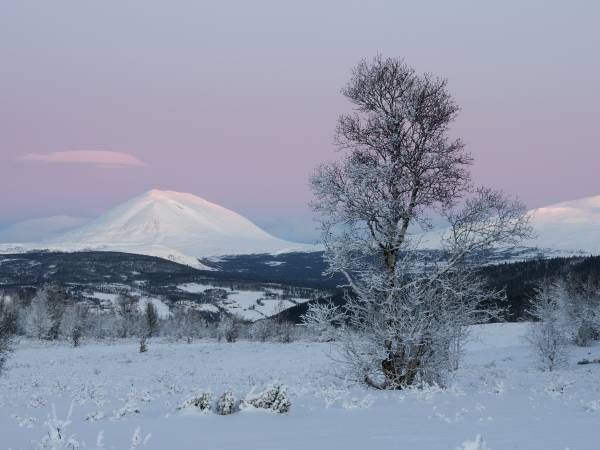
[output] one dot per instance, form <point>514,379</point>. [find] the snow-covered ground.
<point>117,393</point>
<point>111,298</point>
<point>249,305</point>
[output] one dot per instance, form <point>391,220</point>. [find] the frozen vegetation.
<point>117,396</point>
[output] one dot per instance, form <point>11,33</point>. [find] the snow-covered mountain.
<point>572,226</point>
<point>562,229</point>
<point>183,227</point>
<point>39,229</point>
<point>172,225</point>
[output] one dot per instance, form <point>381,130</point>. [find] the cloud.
<point>98,158</point>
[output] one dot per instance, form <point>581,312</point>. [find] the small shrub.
<point>226,404</point>
<point>228,330</point>
<point>274,398</point>
<point>477,444</point>
<point>202,401</point>
<point>76,336</point>
<point>143,346</point>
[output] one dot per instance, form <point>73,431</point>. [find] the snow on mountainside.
<point>172,225</point>
<point>183,227</point>
<point>569,226</point>
<point>565,228</point>
<point>37,229</point>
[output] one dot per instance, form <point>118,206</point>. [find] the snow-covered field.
<point>117,394</point>
<point>249,305</point>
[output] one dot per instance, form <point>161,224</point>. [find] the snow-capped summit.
<point>174,221</point>
<point>568,226</point>
<point>562,229</point>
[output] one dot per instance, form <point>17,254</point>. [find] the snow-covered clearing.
<point>117,392</point>
<point>109,299</point>
<point>249,305</point>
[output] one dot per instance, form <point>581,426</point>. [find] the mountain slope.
<point>562,229</point>
<point>163,221</point>
<point>39,229</point>
<point>568,226</point>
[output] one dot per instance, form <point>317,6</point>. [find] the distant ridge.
<point>562,229</point>
<point>39,229</point>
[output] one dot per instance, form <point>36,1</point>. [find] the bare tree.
<point>143,344</point>
<point>400,169</point>
<point>127,312</point>
<point>37,317</point>
<point>321,320</point>
<point>75,320</point>
<point>228,329</point>
<point>261,330</point>
<point>8,328</point>
<point>151,316</point>
<point>58,300</point>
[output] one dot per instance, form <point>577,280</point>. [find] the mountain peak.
<point>582,210</point>
<point>179,221</point>
<point>184,197</point>
<point>168,194</point>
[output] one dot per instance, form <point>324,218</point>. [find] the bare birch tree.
<point>399,170</point>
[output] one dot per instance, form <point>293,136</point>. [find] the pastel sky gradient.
<point>237,101</point>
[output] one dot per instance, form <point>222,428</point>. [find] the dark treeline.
<point>520,279</point>
<point>25,273</point>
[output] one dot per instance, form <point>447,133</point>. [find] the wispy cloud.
<point>105,159</point>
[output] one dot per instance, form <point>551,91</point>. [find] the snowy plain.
<point>119,395</point>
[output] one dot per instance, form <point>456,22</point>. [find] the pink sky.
<point>237,101</point>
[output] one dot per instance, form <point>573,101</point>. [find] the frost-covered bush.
<point>128,409</point>
<point>126,309</point>
<point>57,437</point>
<point>547,334</point>
<point>321,320</point>
<point>260,330</point>
<point>187,324</point>
<point>581,304</point>
<point>226,404</point>
<point>37,317</point>
<point>74,322</point>
<point>477,444</point>
<point>138,440</point>
<point>228,330</point>
<point>202,401</point>
<point>273,330</point>
<point>274,398</point>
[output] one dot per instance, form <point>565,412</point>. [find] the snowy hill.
<point>172,225</point>
<point>183,227</point>
<point>39,229</point>
<point>562,229</point>
<point>572,226</point>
